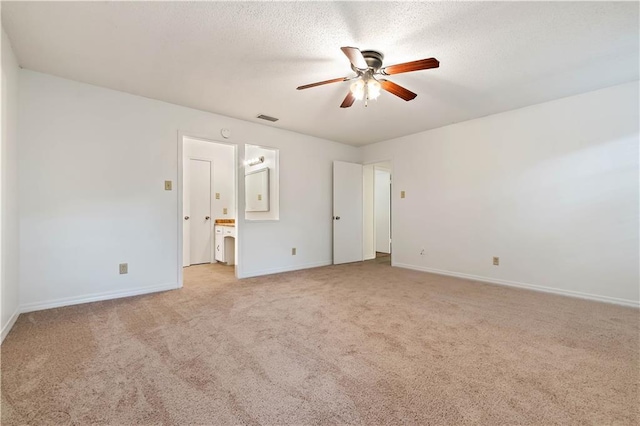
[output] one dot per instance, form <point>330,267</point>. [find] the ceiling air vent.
<point>266,117</point>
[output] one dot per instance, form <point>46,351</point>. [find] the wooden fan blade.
<point>397,90</point>
<point>320,83</point>
<point>348,101</point>
<point>421,64</point>
<point>355,57</point>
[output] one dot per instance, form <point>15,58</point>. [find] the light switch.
<point>224,210</point>
<point>217,195</point>
<point>259,197</point>
<point>168,185</point>
<point>402,194</point>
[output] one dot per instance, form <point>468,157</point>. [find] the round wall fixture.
<point>226,133</point>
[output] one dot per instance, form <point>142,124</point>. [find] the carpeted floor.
<point>351,344</point>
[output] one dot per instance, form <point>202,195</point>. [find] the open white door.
<point>347,212</point>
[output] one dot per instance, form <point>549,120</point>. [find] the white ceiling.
<point>242,59</point>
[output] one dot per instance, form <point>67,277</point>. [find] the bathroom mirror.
<point>261,180</point>
<point>257,190</point>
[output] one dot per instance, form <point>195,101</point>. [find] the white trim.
<point>97,297</point>
<point>240,213</point>
<point>9,325</point>
<point>534,287</point>
<point>262,272</point>
<point>179,183</point>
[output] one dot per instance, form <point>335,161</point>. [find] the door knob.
<point>207,217</point>
<point>337,217</point>
<point>186,218</point>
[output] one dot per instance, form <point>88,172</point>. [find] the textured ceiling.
<point>242,59</point>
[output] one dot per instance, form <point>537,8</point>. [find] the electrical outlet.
<point>168,185</point>
<point>224,210</point>
<point>496,260</point>
<point>293,251</point>
<point>402,194</point>
<point>217,195</point>
<point>124,268</point>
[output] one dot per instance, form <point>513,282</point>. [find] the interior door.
<point>347,212</point>
<point>200,223</point>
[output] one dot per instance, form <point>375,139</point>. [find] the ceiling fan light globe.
<point>373,89</point>
<point>357,88</point>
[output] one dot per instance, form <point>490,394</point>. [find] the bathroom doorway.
<point>207,194</point>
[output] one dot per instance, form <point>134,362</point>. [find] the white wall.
<point>92,166</point>
<point>306,200</point>
<point>551,189</point>
<point>9,271</point>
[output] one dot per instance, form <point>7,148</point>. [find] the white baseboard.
<point>270,271</point>
<point>9,325</point>
<point>571,293</point>
<point>96,297</point>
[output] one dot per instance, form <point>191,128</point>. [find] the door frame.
<point>179,192</point>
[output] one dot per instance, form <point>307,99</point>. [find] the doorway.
<point>362,212</point>
<point>382,210</point>
<point>208,202</point>
<point>377,198</point>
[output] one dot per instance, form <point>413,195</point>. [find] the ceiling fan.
<point>367,65</point>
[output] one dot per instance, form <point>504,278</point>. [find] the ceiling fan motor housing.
<point>373,59</point>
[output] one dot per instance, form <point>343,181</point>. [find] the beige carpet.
<point>351,344</point>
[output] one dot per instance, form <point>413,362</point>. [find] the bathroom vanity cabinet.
<point>224,241</point>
